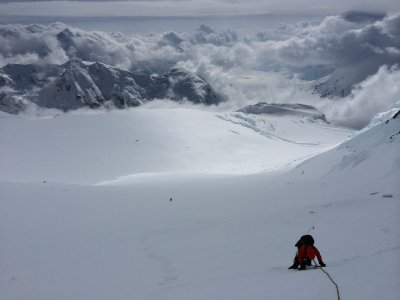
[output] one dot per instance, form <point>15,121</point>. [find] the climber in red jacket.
<point>306,253</point>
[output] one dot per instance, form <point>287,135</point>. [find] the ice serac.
<point>300,110</point>
<point>77,84</point>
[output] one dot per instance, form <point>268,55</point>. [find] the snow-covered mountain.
<point>77,84</point>
<point>342,81</point>
<point>334,85</point>
<point>92,85</point>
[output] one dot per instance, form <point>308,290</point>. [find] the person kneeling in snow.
<point>306,253</point>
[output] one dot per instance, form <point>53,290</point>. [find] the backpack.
<point>307,240</point>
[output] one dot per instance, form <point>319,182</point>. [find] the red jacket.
<point>308,252</point>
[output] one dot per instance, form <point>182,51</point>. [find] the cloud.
<point>338,42</point>
<point>378,93</point>
<point>58,43</point>
<point>207,35</point>
<point>273,65</point>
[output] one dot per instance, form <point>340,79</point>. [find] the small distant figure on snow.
<point>306,252</point>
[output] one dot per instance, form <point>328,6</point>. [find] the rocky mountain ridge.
<point>78,84</point>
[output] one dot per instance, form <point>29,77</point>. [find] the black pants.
<point>306,262</point>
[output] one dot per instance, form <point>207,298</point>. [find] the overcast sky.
<point>192,7</point>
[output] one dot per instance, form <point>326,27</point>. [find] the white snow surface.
<point>89,147</point>
<point>86,210</point>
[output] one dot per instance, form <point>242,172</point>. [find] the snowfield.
<point>189,204</point>
<point>88,147</point>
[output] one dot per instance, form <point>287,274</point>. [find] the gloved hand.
<point>322,264</point>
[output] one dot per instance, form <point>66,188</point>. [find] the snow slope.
<point>371,152</point>
<point>221,237</point>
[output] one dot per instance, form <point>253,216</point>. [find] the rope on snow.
<point>333,281</point>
